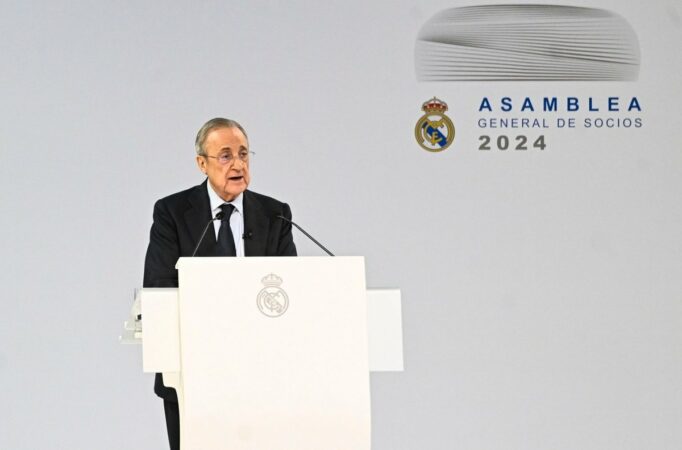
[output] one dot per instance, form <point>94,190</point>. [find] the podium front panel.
<point>274,353</point>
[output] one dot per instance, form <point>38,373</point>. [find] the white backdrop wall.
<point>541,290</point>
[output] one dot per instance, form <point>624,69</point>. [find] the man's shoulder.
<point>181,198</point>
<point>264,200</point>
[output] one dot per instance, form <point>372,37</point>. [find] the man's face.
<point>231,179</point>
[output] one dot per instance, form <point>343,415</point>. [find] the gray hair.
<point>211,125</point>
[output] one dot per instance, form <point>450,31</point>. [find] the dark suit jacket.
<point>179,220</point>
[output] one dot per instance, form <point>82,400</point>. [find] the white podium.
<point>271,353</point>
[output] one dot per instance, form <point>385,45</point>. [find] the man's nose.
<point>238,164</point>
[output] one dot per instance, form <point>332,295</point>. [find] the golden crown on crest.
<point>434,106</point>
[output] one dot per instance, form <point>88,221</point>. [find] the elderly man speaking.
<point>248,226</point>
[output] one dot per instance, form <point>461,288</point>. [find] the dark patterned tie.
<point>225,237</point>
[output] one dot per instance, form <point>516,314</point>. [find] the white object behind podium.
<point>246,380</point>
<point>160,354</point>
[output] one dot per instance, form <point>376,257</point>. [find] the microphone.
<point>247,234</point>
<point>218,216</point>
<point>304,232</point>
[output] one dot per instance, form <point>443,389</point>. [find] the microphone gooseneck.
<point>306,233</point>
<point>218,216</point>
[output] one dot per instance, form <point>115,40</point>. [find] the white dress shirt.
<point>236,219</point>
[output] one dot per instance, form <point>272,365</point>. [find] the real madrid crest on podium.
<point>272,300</point>
<point>434,130</point>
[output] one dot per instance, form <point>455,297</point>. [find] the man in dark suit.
<point>250,225</point>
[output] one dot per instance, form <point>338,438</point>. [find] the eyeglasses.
<point>226,158</point>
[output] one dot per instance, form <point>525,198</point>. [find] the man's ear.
<point>201,163</point>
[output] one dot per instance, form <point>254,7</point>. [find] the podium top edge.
<point>191,260</point>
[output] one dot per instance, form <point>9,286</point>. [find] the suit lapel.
<point>256,225</point>
<point>196,218</point>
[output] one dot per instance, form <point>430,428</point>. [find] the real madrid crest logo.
<point>272,300</point>
<point>434,130</point>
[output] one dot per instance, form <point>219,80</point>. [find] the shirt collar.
<point>216,201</point>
